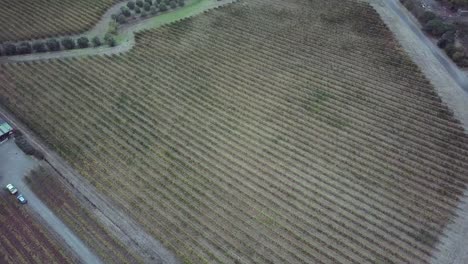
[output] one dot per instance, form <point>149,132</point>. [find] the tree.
<point>146,7</point>
<point>110,40</point>
<point>137,10</point>
<point>139,3</point>
<point>150,2</point>
<point>10,49</point>
<point>173,4</point>
<point>39,46</point>
<point>53,44</point>
<point>162,7</point>
<point>437,27</point>
<point>68,43</point>
<point>458,56</point>
<point>24,48</point>
<point>143,13</point>
<point>83,42</point>
<point>158,1</point>
<point>153,10</point>
<point>126,12</point>
<point>121,19</point>
<point>96,41</point>
<point>426,16</point>
<point>181,2</point>
<point>131,5</point>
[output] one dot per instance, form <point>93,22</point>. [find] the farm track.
<point>125,32</point>
<point>28,20</point>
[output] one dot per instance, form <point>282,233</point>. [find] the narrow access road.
<point>452,86</point>
<point>126,33</point>
<point>14,165</point>
<point>118,222</point>
<point>453,70</point>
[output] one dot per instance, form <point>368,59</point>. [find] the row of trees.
<point>53,44</point>
<point>141,8</point>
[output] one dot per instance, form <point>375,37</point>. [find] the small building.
<point>5,130</point>
<point>463,12</point>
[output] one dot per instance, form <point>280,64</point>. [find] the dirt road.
<point>126,33</point>
<point>130,233</point>
<point>14,165</point>
<point>452,86</point>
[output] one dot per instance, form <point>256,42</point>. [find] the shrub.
<point>427,16</point>
<point>131,5</point>
<point>126,12</point>
<point>437,27</point>
<point>146,7</point>
<point>83,42</point>
<point>114,16</point>
<point>24,48</point>
<point>53,45</point>
<point>139,3</point>
<point>10,49</point>
<point>39,46</point>
<point>450,49</point>
<point>113,25</point>
<point>68,43</point>
<point>153,10</point>
<point>110,40</point>
<point>23,144</point>
<point>121,19</point>
<point>96,41</point>
<point>458,56</point>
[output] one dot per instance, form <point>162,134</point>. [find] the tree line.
<point>53,44</point>
<point>141,8</point>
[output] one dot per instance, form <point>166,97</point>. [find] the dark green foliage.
<point>150,2</point>
<point>146,7</point>
<point>181,2</point>
<point>83,42</point>
<point>126,12</point>
<point>437,27</point>
<point>137,10</point>
<point>173,4</point>
<point>24,48</point>
<point>121,19</point>
<point>110,40</point>
<point>144,14</point>
<point>96,41</point>
<point>131,5</point>
<point>153,10</point>
<point>139,3</point>
<point>53,45</point>
<point>68,43</point>
<point>23,144</point>
<point>10,49</point>
<point>162,7</point>
<point>39,46</point>
<point>427,16</point>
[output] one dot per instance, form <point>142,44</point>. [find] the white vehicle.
<point>11,188</point>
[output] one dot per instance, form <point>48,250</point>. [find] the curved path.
<point>126,36</point>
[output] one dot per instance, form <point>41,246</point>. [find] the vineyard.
<point>285,131</point>
<point>29,19</point>
<point>22,240</point>
<point>47,186</point>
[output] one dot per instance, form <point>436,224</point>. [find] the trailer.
<point>5,130</point>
